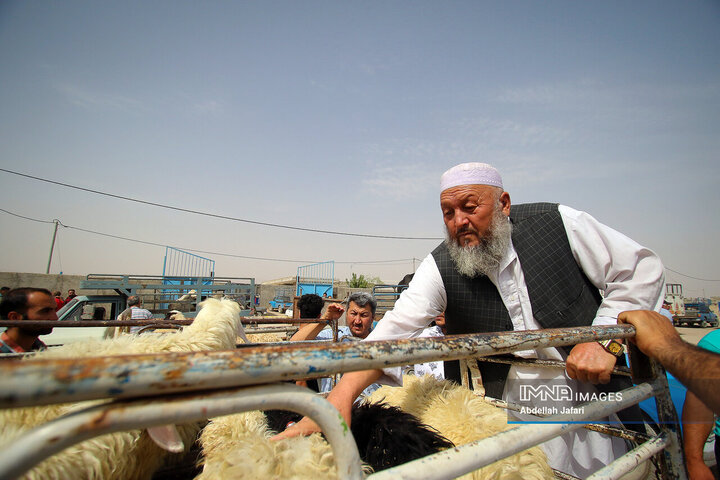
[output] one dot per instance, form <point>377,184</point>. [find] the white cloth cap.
<point>473,173</point>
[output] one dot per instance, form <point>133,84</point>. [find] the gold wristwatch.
<point>612,346</point>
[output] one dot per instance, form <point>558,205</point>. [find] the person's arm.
<point>697,422</point>
<point>417,306</point>
<point>311,330</point>
<point>630,275</point>
<point>696,368</point>
<point>341,397</point>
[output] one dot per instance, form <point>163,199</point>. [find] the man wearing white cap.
<point>528,267</point>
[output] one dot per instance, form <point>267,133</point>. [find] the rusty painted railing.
<point>56,435</point>
<point>42,381</point>
<point>34,382</point>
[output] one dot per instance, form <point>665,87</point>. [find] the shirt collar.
<point>11,343</point>
<point>509,257</point>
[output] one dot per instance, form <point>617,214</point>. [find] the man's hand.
<point>589,362</point>
<point>334,311</point>
<point>653,332</point>
<point>303,427</point>
<point>306,426</point>
<point>341,397</point>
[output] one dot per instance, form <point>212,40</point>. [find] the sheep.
<point>129,454</point>
<point>174,315</point>
<point>238,446</point>
<point>385,435</point>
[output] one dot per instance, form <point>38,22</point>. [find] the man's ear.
<point>14,315</point>
<point>505,203</point>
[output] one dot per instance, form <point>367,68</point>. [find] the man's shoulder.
<point>522,211</point>
<point>327,333</point>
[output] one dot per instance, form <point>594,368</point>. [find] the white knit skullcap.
<point>473,173</point>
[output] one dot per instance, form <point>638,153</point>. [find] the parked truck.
<point>283,299</point>
<point>689,312</point>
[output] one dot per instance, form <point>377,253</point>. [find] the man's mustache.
<point>466,229</point>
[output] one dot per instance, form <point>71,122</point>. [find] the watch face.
<point>615,348</point>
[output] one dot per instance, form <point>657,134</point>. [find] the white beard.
<point>485,257</point>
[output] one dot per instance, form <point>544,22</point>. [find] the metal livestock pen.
<point>149,390</point>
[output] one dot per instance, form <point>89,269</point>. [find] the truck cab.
<point>85,307</point>
<point>281,303</point>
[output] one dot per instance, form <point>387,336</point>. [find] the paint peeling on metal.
<point>32,380</point>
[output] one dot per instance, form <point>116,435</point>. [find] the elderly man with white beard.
<point>525,267</point>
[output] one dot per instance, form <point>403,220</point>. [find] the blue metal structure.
<point>316,278</point>
<point>180,268</point>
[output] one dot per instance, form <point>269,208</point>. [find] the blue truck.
<point>283,299</point>
<point>697,312</point>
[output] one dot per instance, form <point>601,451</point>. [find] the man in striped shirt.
<point>135,312</point>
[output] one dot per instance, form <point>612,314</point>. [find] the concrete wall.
<point>40,280</point>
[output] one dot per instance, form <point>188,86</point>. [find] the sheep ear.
<point>167,438</point>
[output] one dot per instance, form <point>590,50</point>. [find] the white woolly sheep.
<point>129,454</point>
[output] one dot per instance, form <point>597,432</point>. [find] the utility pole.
<point>52,245</point>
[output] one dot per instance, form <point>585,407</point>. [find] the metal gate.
<point>180,268</point>
<point>316,278</point>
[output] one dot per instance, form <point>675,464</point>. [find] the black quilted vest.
<point>560,293</point>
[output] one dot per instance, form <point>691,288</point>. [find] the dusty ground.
<point>693,334</point>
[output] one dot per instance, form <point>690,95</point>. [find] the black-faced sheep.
<point>385,435</point>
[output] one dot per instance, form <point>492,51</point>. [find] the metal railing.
<point>193,375</point>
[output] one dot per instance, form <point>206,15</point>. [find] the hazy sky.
<point>342,116</point>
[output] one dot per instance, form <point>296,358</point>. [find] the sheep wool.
<point>239,446</point>
<point>132,454</point>
<point>463,417</point>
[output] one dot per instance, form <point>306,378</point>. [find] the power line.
<point>27,218</point>
<point>694,278</point>
<point>247,257</point>
<point>214,215</point>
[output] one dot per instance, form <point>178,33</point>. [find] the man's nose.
<point>461,218</point>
